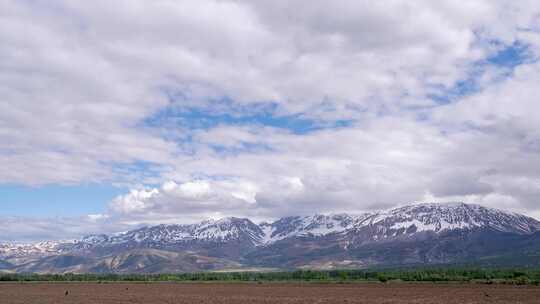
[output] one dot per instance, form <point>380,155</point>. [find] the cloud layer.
<point>405,102</point>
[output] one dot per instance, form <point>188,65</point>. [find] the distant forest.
<point>486,276</point>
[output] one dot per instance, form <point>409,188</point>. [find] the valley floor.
<point>157,293</point>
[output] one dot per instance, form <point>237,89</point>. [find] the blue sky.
<point>244,111</point>
<point>56,200</point>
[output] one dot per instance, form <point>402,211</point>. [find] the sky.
<point>119,114</point>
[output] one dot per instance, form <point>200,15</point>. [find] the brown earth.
<point>216,293</point>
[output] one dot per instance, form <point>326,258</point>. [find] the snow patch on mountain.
<point>222,230</point>
<point>315,225</point>
<point>449,216</point>
<point>46,248</point>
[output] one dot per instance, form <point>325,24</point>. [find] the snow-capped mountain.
<point>301,240</point>
<point>33,250</point>
<point>316,225</point>
<point>409,219</point>
<point>17,250</point>
<point>220,231</point>
<point>450,216</point>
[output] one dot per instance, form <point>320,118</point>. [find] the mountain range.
<point>418,234</point>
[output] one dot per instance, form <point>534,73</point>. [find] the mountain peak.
<point>401,221</point>
<point>456,215</point>
<point>300,239</point>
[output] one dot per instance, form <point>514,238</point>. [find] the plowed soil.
<point>170,293</point>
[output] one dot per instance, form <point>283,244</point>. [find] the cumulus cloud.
<point>89,92</point>
<point>188,200</point>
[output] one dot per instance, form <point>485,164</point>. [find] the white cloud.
<point>187,201</point>
<point>78,83</point>
<point>135,201</point>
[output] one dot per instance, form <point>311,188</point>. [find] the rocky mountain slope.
<point>410,235</point>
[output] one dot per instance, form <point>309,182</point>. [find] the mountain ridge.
<point>416,233</point>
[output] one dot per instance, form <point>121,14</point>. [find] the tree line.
<point>512,276</point>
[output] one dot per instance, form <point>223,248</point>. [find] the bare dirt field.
<point>170,293</point>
